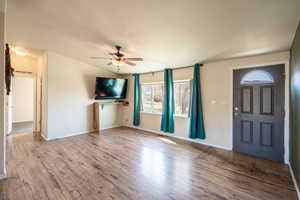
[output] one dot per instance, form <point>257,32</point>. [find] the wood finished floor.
<point>124,163</point>
<point>22,127</point>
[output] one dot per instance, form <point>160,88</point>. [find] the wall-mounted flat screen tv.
<point>110,88</point>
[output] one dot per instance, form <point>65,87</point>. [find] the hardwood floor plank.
<point>125,163</point>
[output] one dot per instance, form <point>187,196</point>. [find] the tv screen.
<point>110,88</point>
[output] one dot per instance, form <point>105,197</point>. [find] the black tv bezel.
<point>113,98</point>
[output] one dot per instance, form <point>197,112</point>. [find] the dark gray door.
<point>258,112</point>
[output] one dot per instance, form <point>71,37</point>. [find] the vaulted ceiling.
<point>166,33</point>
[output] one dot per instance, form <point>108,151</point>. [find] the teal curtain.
<point>196,114</point>
<point>137,100</point>
<point>167,120</point>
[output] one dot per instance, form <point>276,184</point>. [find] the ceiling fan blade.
<point>115,57</point>
<point>129,63</point>
<point>95,57</point>
<point>110,63</point>
<point>134,59</point>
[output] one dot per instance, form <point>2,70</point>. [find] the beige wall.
<point>26,63</point>
<point>3,110</point>
<point>70,93</point>
<point>216,81</point>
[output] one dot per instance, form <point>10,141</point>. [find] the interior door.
<point>258,112</point>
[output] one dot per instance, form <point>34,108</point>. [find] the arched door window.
<point>257,77</point>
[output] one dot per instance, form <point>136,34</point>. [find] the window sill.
<point>181,116</point>
<point>176,116</point>
<point>150,113</point>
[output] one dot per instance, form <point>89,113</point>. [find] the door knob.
<point>236,111</point>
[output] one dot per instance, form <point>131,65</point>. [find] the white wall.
<point>3,108</point>
<point>22,99</point>
<point>111,116</point>
<point>70,93</point>
<point>216,81</point>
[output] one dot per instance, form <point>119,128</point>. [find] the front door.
<point>258,111</point>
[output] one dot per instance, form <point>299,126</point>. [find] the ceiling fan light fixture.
<point>117,62</point>
<point>118,59</point>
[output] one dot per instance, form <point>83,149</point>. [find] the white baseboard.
<point>79,133</point>
<point>182,138</point>
<point>68,135</point>
<point>294,180</point>
<point>3,176</point>
<point>44,137</point>
<point>109,127</point>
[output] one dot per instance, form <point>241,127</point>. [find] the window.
<point>257,76</point>
<point>152,97</point>
<point>182,94</point>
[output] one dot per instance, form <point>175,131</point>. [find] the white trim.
<point>109,127</point>
<point>151,113</point>
<point>44,137</point>
<point>68,135</point>
<point>286,99</point>
<point>181,138</point>
<point>3,176</point>
<point>294,180</point>
<point>24,121</point>
<point>77,133</point>
<point>182,116</point>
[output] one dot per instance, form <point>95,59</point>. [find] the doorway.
<point>258,111</point>
<point>22,104</point>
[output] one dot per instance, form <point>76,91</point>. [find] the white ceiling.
<point>166,33</point>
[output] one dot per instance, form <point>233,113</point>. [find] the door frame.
<point>286,102</point>
<point>36,103</point>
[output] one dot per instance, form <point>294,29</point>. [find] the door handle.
<point>236,111</point>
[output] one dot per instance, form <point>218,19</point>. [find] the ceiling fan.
<point>118,58</point>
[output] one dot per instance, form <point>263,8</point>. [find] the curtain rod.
<point>166,68</point>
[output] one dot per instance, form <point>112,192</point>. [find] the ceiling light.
<point>19,52</point>
<point>117,62</point>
